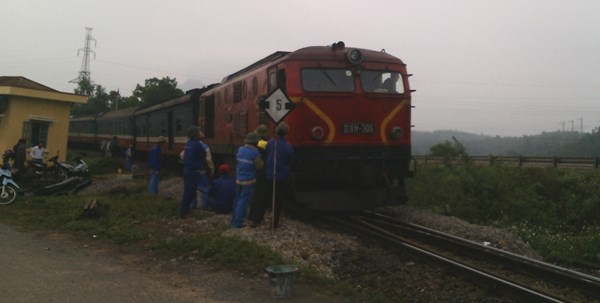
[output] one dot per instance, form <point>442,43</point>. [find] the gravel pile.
<point>344,257</point>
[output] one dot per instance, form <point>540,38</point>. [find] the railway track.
<point>517,277</point>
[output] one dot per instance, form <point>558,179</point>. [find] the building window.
<point>35,132</point>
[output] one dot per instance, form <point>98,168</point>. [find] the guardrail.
<point>570,162</point>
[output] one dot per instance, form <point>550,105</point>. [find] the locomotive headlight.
<point>317,133</point>
<point>396,132</point>
<point>354,56</point>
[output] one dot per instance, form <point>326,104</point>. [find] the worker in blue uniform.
<point>222,192</point>
<point>155,163</point>
<point>280,155</point>
<point>248,162</point>
<point>194,163</point>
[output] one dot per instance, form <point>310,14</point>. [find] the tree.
<point>98,101</point>
<point>155,90</point>
<point>84,87</point>
<point>450,151</point>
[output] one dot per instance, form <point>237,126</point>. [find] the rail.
<point>567,162</point>
<point>516,277</point>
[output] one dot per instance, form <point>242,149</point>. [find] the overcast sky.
<point>506,67</point>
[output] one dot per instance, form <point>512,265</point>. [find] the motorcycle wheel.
<point>8,195</point>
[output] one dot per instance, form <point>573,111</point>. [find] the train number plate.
<point>358,128</point>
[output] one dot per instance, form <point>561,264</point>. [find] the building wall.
<point>22,109</point>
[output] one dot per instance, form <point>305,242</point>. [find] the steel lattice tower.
<point>84,73</point>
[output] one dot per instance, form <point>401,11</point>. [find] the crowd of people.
<point>262,173</point>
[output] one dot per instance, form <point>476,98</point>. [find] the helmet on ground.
<point>252,138</point>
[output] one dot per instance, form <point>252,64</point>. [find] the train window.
<point>272,81</point>
<point>327,80</point>
<point>281,77</point>
<point>255,86</point>
<point>237,92</point>
<point>381,82</point>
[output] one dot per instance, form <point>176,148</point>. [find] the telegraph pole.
<point>572,125</point>
<point>84,72</point>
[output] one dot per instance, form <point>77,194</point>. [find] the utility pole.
<point>572,125</point>
<point>84,73</point>
<point>581,125</point>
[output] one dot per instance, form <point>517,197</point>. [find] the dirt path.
<point>53,268</point>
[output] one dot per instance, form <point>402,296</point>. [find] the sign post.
<point>277,105</point>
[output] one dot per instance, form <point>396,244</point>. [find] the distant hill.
<point>563,144</point>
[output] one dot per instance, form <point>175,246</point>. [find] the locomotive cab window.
<point>327,80</point>
<point>382,82</point>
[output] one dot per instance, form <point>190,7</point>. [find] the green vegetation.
<point>137,222</point>
<point>152,92</point>
<point>555,210</point>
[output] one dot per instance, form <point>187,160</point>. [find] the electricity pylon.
<point>84,73</point>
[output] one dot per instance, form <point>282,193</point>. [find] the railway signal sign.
<point>277,105</point>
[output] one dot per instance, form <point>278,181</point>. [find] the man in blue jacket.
<point>155,163</point>
<point>248,161</point>
<point>194,164</point>
<point>280,155</point>
<point>222,192</point>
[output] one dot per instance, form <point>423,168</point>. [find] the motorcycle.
<point>9,189</point>
<point>66,170</point>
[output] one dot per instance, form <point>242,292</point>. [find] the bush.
<point>534,203</point>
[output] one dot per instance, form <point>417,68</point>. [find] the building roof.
<point>23,82</point>
<point>21,86</point>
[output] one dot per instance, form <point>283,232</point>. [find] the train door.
<point>170,134</point>
<point>208,117</point>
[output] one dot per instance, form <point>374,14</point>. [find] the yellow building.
<point>36,113</point>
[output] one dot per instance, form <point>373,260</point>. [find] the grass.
<point>139,222</point>
<point>555,210</point>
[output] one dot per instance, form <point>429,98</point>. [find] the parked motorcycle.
<point>8,189</point>
<point>66,170</point>
<point>37,167</point>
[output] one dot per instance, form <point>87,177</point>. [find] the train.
<point>348,111</point>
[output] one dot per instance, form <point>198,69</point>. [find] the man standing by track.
<point>280,155</point>
<point>194,163</point>
<point>248,161</point>
<point>155,163</point>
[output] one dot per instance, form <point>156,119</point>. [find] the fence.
<point>566,162</point>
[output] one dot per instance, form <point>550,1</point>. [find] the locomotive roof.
<point>328,53</point>
<point>270,58</point>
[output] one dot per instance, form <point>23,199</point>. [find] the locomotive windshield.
<point>381,82</point>
<point>327,80</point>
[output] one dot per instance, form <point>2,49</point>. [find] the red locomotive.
<point>349,112</point>
<point>349,117</point>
